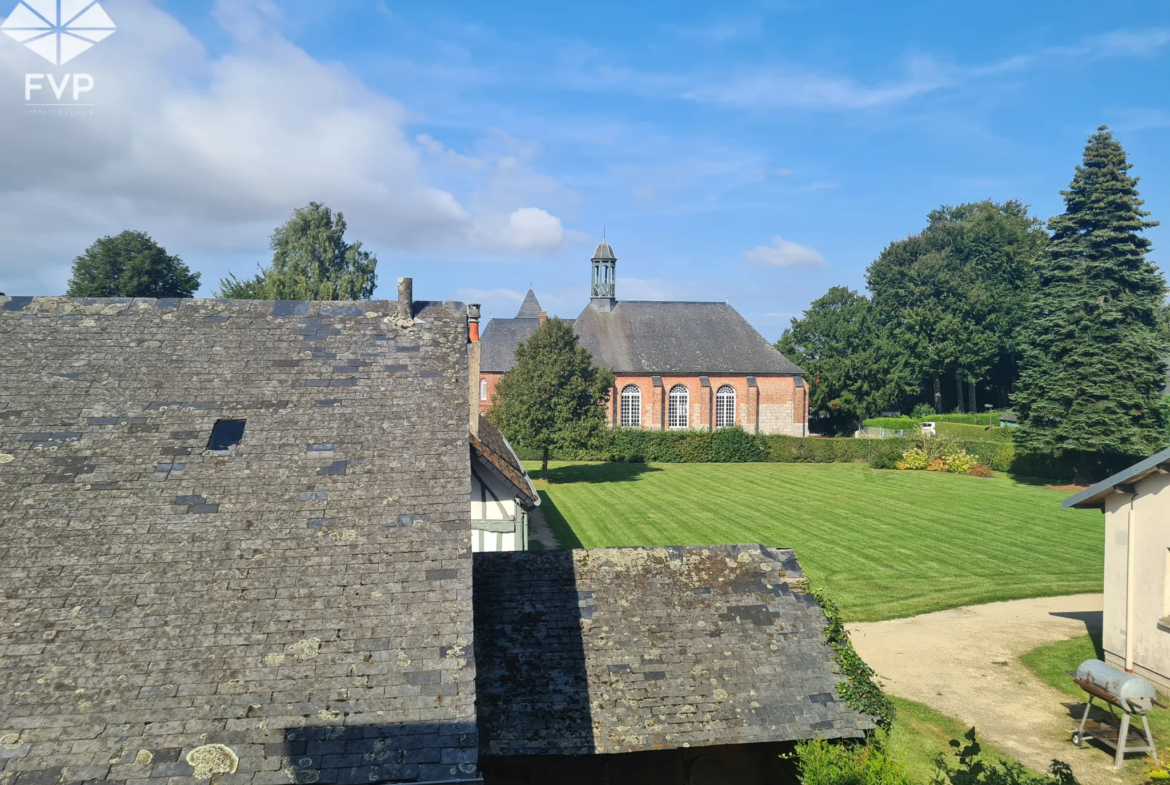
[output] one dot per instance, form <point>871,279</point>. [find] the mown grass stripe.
<point>886,544</point>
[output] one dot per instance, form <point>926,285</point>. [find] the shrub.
<point>859,692</point>
<point>979,470</point>
<point>959,462</point>
<point>914,459</point>
<point>970,770</point>
<point>734,445</point>
<point>923,411</point>
<point>937,465</point>
<point>886,457</point>
<point>828,763</point>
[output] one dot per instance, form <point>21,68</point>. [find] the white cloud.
<point>210,153</point>
<point>784,253</point>
<point>532,228</point>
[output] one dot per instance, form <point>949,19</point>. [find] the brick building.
<point>678,365</point>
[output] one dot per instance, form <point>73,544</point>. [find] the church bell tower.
<point>603,293</point>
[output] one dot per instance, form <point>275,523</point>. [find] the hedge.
<point>734,445</point>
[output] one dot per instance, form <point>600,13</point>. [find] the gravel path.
<point>965,663</point>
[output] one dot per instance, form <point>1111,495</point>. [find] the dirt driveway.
<point>964,663</point>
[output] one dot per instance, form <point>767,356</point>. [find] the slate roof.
<point>303,600</point>
<point>631,649</point>
<point>492,446</point>
<point>530,308</point>
<point>604,251</point>
<point>498,343</point>
<point>646,337</point>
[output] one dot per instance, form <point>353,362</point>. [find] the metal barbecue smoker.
<point>1117,690</point>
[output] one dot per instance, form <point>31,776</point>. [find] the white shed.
<point>1136,503</point>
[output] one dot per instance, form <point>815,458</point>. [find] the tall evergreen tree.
<point>553,397</point>
<point>1093,370</point>
<point>130,264</point>
<point>311,260</point>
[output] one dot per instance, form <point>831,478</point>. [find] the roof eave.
<point>1094,496</point>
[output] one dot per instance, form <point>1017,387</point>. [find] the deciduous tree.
<point>553,397</point>
<point>130,264</point>
<point>310,261</point>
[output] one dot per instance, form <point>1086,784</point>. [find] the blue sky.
<point>759,152</point>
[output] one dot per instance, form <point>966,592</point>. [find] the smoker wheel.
<point>1077,739</point>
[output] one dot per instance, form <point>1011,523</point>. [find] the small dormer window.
<point>225,435</point>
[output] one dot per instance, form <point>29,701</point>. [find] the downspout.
<point>1130,584</point>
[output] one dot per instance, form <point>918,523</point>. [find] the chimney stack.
<point>473,355</point>
<point>543,318</point>
<point>473,322</point>
<point>405,301</point>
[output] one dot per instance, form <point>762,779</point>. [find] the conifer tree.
<point>1092,372</point>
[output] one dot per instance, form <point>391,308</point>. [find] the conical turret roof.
<point>530,308</point>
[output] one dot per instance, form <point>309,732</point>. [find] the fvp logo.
<point>58,30</point>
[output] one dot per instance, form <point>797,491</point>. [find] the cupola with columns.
<point>603,292</point>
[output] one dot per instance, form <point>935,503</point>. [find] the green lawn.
<point>885,544</point>
<point>1050,663</point>
<point>920,734</point>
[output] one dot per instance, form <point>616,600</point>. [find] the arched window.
<point>678,417</point>
<point>631,413</point>
<point>483,389</point>
<point>725,407</point>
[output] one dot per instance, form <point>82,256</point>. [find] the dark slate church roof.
<point>303,599</point>
<point>632,649</point>
<point>649,337</point>
<point>677,337</point>
<point>500,336</point>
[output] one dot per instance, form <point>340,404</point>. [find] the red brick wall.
<point>775,405</point>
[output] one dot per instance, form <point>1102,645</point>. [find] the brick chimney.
<point>543,318</point>
<point>473,352</point>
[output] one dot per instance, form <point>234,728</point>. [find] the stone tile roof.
<point>493,447</point>
<point>530,308</point>
<point>303,599</point>
<point>498,342</point>
<point>677,337</point>
<point>631,649</point>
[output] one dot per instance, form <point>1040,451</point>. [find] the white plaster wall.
<point>482,541</point>
<point>491,510</point>
<point>1152,583</point>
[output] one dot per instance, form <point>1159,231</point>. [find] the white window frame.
<point>725,408</point>
<point>483,389</point>
<point>630,405</point>
<point>679,415</point>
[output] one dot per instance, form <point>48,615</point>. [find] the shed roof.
<point>1094,496</point>
<point>171,597</point>
<point>631,649</point>
<point>677,337</point>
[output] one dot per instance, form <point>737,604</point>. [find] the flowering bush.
<point>913,459</point>
<point>959,462</point>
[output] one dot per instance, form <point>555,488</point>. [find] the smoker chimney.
<point>473,361</point>
<point>473,322</point>
<point>405,301</point>
<point>543,318</point>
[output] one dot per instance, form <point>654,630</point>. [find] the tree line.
<point>1068,326</point>
<point>311,260</point>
